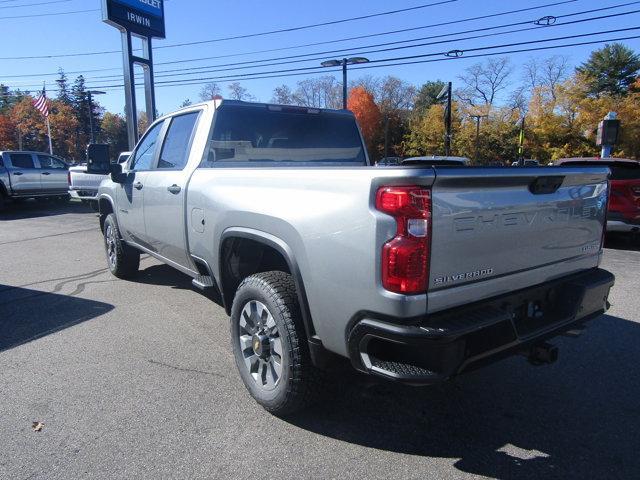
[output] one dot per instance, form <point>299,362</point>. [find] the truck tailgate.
<point>81,180</point>
<point>494,223</point>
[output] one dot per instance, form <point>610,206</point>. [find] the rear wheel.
<point>269,344</point>
<point>3,201</point>
<point>122,259</point>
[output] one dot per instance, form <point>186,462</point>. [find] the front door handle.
<point>17,174</point>
<point>175,189</point>
<point>137,186</point>
<point>46,173</point>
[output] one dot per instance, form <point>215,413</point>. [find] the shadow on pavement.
<point>622,241</point>
<point>579,418</point>
<point>26,314</point>
<point>41,208</point>
<point>164,275</point>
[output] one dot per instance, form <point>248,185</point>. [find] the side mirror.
<point>98,158</point>
<point>115,169</point>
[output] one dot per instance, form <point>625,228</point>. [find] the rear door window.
<point>22,160</point>
<point>175,151</point>
<point>49,162</point>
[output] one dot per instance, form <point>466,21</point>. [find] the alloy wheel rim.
<point>260,345</point>
<point>111,246</point>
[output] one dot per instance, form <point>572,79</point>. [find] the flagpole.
<point>49,134</point>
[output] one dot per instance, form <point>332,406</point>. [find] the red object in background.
<point>624,186</point>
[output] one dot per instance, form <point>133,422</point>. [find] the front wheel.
<point>122,259</point>
<point>269,344</point>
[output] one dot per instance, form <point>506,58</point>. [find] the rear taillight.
<point>405,258</point>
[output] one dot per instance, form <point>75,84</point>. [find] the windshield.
<point>291,135</point>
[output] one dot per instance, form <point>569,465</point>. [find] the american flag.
<point>41,103</point>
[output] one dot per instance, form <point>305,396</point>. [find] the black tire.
<point>300,382</point>
<point>3,201</point>
<point>123,260</point>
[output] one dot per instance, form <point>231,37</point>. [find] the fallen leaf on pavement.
<point>37,426</point>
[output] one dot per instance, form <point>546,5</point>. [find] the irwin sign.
<point>141,17</point>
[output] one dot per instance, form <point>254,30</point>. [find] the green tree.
<point>610,70</point>
<point>427,96</point>
<point>63,88</point>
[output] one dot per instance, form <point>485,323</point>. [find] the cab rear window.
<point>268,136</point>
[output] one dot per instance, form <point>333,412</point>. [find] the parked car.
<point>415,274</point>
<point>527,162</point>
<point>437,160</point>
<point>386,161</point>
<point>84,186</point>
<point>32,174</point>
<point>624,200</point>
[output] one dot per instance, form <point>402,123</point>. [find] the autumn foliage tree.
<point>367,113</point>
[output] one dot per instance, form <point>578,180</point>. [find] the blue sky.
<point>197,20</point>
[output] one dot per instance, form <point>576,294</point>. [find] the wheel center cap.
<point>260,344</point>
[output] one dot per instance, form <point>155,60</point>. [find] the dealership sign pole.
<point>143,19</point>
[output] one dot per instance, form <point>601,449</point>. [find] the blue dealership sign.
<point>142,17</point>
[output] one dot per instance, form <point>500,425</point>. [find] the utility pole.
<point>478,118</point>
<point>386,135</point>
<point>521,142</point>
<point>447,138</point>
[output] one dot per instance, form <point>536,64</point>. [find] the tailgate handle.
<point>542,185</point>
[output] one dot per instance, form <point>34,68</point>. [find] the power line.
<point>388,43</point>
<point>399,60</point>
<point>509,12</point>
<point>360,51</point>
<point>55,14</point>
<point>464,20</point>
<point>367,66</point>
<point>35,4</point>
<point>248,35</point>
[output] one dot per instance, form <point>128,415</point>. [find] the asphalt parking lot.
<point>137,380</point>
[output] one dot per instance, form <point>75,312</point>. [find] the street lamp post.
<point>89,98</point>
<point>344,62</point>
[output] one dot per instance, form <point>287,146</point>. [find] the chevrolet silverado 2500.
<point>414,273</point>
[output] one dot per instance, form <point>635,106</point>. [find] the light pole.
<point>478,118</point>
<point>344,62</point>
<point>89,94</point>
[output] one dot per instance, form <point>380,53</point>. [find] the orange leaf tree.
<point>367,113</point>
<point>8,133</point>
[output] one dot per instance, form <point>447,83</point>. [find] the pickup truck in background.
<point>84,186</point>
<point>414,273</point>
<point>30,175</point>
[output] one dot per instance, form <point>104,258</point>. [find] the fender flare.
<point>287,253</point>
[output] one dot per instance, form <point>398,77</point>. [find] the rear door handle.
<point>175,189</point>
<point>46,173</point>
<point>137,186</point>
<point>17,174</point>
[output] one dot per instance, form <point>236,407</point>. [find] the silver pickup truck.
<point>31,174</point>
<point>413,273</point>
<point>84,186</point>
